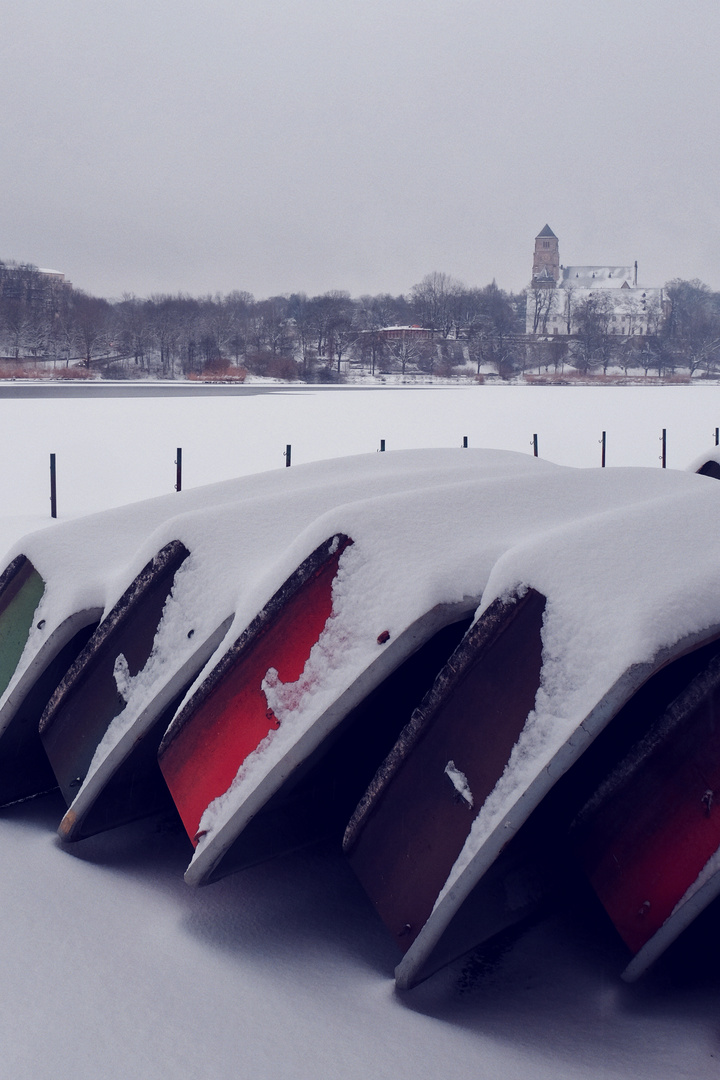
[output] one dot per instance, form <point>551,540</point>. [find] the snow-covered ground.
<point>114,967</point>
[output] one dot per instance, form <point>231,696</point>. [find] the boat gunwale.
<point>252,633</point>
<point>171,555</point>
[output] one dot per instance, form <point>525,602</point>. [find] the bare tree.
<point>434,301</point>
<point>407,349</point>
<point>90,321</point>
<point>593,316</point>
<point>542,302</point>
<point>691,328</point>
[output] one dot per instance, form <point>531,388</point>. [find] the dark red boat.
<point>411,839</point>
<point>411,825</point>
<point>648,837</point>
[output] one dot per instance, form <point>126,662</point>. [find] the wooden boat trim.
<point>11,571</point>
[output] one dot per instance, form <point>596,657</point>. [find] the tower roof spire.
<point>547,231</point>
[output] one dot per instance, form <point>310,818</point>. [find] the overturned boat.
<point>561,646</point>
<point>57,584</point>
<point>291,627</point>
<point>102,727</point>
<point>255,730</point>
<point>649,838</point>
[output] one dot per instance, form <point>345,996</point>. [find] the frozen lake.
<point>112,448</point>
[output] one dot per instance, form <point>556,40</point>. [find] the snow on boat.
<point>420,559</point>
<point>57,583</point>
<point>229,716</point>
<point>649,839</point>
<point>597,612</point>
<point>90,696</point>
<point>707,464</point>
<point>411,825</point>
<point>231,549</point>
<point>248,695</point>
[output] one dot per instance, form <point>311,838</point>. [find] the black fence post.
<point>535,445</point>
<point>53,487</point>
<point>382,446</point>
<point>178,470</point>
<point>288,455</point>
<point>602,452</point>
<point>465,442</point>
<point>663,456</point>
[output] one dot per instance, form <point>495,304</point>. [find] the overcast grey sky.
<point>307,145</point>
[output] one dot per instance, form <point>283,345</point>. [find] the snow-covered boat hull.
<point>90,696</point>
<point>319,795</point>
<point>228,717</point>
<point>74,592</point>
<point>412,823</point>
<point>410,833</point>
<point>649,838</point>
<point>252,541</point>
<point>711,467</point>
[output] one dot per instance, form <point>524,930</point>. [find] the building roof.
<point>547,231</point>
<point>624,301</point>
<point>597,277</point>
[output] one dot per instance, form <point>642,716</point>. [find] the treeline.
<point>44,320</point>
<point>294,336</point>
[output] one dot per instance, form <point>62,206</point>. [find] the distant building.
<point>403,332</point>
<point>558,294</point>
<point>56,277</point>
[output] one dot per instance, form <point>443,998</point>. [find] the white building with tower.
<point>559,295</point>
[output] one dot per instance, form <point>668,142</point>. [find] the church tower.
<point>546,260</point>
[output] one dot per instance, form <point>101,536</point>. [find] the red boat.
<point>648,838</point>
<point>229,717</point>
